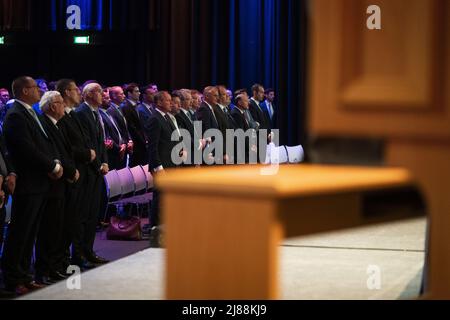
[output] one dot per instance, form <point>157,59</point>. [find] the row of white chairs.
<point>284,154</point>
<point>129,186</point>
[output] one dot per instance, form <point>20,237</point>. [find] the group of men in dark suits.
<point>171,113</point>
<point>59,158</point>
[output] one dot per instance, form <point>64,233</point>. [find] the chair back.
<point>126,181</point>
<point>276,155</point>
<point>295,154</point>
<point>149,176</point>
<point>140,179</point>
<point>113,186</point>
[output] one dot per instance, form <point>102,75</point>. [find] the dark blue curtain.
<point>237,43</point>
<point>177,44</point>
<point>267,45</point>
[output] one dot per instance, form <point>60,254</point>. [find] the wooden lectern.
<point>223,225</point>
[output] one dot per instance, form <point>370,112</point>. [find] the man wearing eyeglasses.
<point>33,156</point>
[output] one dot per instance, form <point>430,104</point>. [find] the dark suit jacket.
<point>205,115</point>
<point>259,115</point>
<point>94,133</point>
<point>239,119</point>
<point>273,121</point>
<point>231,122</point>
<point>111,132</point>
<point>74,134</point>
<point>57,187</point>
<point>144,117</point>
<point>161,145</point>
<point>241,123</point>
<point>119,118</point>
<point>224,124</point>
<point>184,123</point>
<point>30,151</point>
<point>137,133</point>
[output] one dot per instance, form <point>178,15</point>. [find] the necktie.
<point>175,124</point>
<point>115,127</point>
<point>121,114</point>
<point>246,116</point>
<point>270,111</point>
<point>245,119</point>
<point>192,115</point>
<point>34,115</point>
<point>99,121</point>
<point>189,116</point>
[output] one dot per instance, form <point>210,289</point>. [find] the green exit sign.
<point>2,40</point>
<point>81,40</point>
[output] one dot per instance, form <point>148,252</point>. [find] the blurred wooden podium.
<point>224,224</point>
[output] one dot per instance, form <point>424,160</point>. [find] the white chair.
<point>150,183</point>
<point>140,198</point>
<point>113,186</point>
<point>113,191</point>
<point>126,182</point>
<point>276,154</point>
<point>140,179</point>
<point>295,154</point>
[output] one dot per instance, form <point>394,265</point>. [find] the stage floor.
<point>334,265</point>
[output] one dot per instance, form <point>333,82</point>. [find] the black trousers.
<point>83,242</point>
<point>103,202</point>
<point>71,223</point>
<point>114,161</point>
<point>155,209</point>
<point>50,236</point>
<point>26,212</point>
<point>139,156</point>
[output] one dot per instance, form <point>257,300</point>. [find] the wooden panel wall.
<point>387,82</point>
<point>392,83</point>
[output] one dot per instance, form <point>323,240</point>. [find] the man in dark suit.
<point>262,117</point>
<point>185,121</point>
<point>116,145</point>
<point>242,122</point>
<point>50,234</point>
<point>252,123</point>
<point>147,108</point>
<point>223,115</point>
<point>269,108</point>
<point>161,129</point>
<point>206,115</point>
<point>160,147</point>
<point>117,98</point>
<point>257,112</point>
<point>77,195</point>
<point>137,133</point>
<point>90,120</point>
<point>33,155</point>
<point>196,102</point>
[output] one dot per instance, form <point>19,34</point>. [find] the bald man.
<point>92,125</point>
